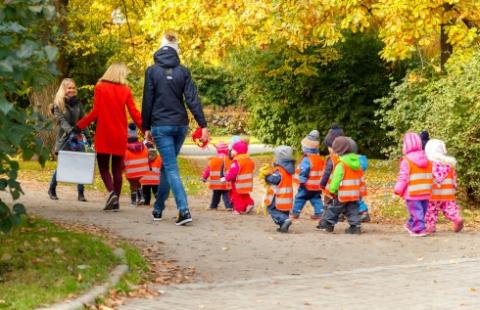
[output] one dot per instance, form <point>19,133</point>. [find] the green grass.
<point>41,263</point>
<point>137,265</point>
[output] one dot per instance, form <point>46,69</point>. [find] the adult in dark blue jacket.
<point>168,86</point>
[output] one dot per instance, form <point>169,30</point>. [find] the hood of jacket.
<point>288,165</point>
<point>135,147</point>
<point>440,171</point>
<point>166,57</point>
<point>419,158</point>
<point>352,160</point>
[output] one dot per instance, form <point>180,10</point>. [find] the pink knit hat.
<point>222,148</point>
<point>241,147</point>
<point>411,143</point>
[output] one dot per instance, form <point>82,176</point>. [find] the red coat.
<point>109,104</point>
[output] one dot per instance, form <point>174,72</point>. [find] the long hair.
<point>59,99</point>
<point>116,73</point>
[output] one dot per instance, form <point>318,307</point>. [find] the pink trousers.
<point>449,208</point>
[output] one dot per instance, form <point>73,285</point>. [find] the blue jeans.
<point>278,216</point>
<point>53,183</point>
<point>304,195</point>
<point>169,141</point>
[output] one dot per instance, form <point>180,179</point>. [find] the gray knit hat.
<point>312,140</point>
<point>283,153</point>
<point>353,145</point>
<point>341,145</point>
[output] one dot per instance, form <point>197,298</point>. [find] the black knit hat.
<point>425,136</point>
<point>334,132</point>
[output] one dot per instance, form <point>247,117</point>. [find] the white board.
<point>76,167</point>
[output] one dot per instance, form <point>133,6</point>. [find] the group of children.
<point>339,178</point>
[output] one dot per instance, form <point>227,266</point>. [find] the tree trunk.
<point>61,6</point>
<point>446,48</point>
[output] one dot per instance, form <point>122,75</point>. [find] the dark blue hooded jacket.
<point>167,83</point>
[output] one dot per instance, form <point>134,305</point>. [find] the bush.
<point>449,108</point>
<point>287,106</point>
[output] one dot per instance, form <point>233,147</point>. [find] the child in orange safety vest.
<point>151,179</point>
<point>136,165</point>
<point>444,187</point>
<point>414,183</point>
<point>308,175</point>
<point>240,175</point>
<point>279,198</point>
<point>215,170</point>
<point>347,188</point>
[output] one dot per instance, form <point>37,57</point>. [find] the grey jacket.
<point>67,120</point>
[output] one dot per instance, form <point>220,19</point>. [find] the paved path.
<point>193,150</point>
<point>441,285</point>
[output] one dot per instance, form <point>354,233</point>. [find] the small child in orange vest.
<point>414,183</point>
<point>308,175</point>
<point>215,170</point>
<point>136,164</point>
<point>347,187</point>
<point>444,187</point>
<point>279,199</point>
<point>241,176</point>
<point>151,179</point>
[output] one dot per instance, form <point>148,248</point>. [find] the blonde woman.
<point>67,110</point>
<point>111,96</point>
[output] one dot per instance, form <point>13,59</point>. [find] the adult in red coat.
<point>111,96</point>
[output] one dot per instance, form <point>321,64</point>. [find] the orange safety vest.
<point>152,177</point>
<point>244,180</point>
<point>352,187</point>
<point>218,166</point>
<point>335,160</point>
<point>420,180</point>
<point>317,164</point>
<point>444,191</point>
<point>283,192</point>
<point>136,164</point>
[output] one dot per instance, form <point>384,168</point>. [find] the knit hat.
<point>353,145</point>
<point>170,40</point>
<point>411,143</point>
<point>222,148</point>
<point>241,147</point>
<point>132,133</point>
<point>283,153</point>
<point>341,145</point>
<point>334,132</point>
<point>437,151</point>
<point>233,140</point>
<point>424,136</point>
<point>311,141</point>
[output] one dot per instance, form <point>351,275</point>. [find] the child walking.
<point>347,187</point>
<point>363,207</point>
<point>215,170</point>
<point>151,179</point>
<point>279,199</point>
<point>444,187</point>
<point>332,160</point>
<point>136,165</point>
<point>241,176</point>
<point>308,175</point>
<point>414,183</point>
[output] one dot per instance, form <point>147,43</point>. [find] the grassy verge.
<point>41,263</point>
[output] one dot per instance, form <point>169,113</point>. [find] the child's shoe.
<point>284,227</point>
<point>353,230</point>
<point>133,199</point>
<point>325,226</point>
<point>414,234</point>
<point>315,217</point>
<point>249,208</point>
<point>140,198</point>
<point>235,212</point>
<point>364,217</point>
<point>458,225</point>
<point>430,230</point>
<point>293,216</point>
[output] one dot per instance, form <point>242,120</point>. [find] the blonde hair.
<point>116,73</point>
<point>59,99</point>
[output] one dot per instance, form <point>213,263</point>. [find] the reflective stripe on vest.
<point>136,164</point>
<point>216,164</point>
<point>153,177</point>
<point>335,160</point>
<point>283,192</point>
<point>352,187</point>
<point>244,180</point>
<point>445,191</point>
<point>420,180</point>
<point>317,164</point>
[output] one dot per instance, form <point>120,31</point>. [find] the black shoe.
<point>325,226</point>
<point>81,197</point>
<point>156,216</point>
<point>140,198</point>
<point>183,218</point>
<point>111,201</point>
<point>133,199</point>
<point>353,230</point>
<point>116,207</point>
<point>52,193</point>
<point>284,227</point>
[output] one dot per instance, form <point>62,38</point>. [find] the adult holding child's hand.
<point>165,120</point>
<point>111,96</point>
